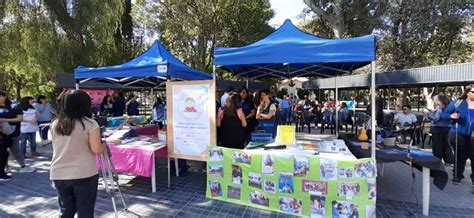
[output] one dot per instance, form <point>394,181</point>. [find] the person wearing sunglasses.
<point>404,120</point>
<point>461,113</point>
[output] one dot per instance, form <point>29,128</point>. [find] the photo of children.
<point>318,204</point>
<point>344,209</point>
<point>348,189</point>
<point>216,189</point>
<point>285,183</point>
<point>318,187</point>
<point>365,169</point>
<point>345,172</point>
<point>216,170</point>
<point>291,205</point>
<point>268,164</point>
<point>328,169</point>
<point>241,157</point>
<point>256,197</point>
<point>237,177</point>
<point>233,192</point>
<point>255,180</point>
<point>370,211</point>
<point>301,166</point>
<point>216,154</point>
<point>269,186</point>
<point>372,188</point>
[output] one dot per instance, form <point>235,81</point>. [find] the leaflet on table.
<point>191,126</point>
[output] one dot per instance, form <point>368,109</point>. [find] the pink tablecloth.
<point>136,160</point>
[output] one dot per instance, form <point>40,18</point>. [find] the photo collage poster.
<point>307,186</point>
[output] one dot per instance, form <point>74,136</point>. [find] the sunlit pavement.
<point>31,194</point>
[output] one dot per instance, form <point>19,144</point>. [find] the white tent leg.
<point>372,90</point>
<point>337,104</point>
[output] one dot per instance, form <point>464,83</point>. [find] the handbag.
<point>6,128</point>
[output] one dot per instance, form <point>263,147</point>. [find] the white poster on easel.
<point>191,115</point>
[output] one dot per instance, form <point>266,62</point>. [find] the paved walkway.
<point>31,194</point>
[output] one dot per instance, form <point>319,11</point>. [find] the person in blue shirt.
<point>461,112</point>
<point>46,112</point>
<point>159,113</point>
<point>286,109</point>
<point>440,130</point>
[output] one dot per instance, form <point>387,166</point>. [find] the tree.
<point>342,18</point>
<point>191,29</point>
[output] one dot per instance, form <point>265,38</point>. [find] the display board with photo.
<point>301,166</point>
<point>285,183</point>
<point>318,206</point>
<point>315,187</point>
<point>300,185</point>
<point>291,205</point>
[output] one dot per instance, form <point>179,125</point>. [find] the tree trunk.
<point>428,93</point>
<point>401,98</point>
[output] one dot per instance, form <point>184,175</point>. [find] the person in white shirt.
<point>29,126</point>
<point>404,120</point>
<point>224,97</point>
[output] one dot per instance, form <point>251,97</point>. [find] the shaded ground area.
<point>31,194</point>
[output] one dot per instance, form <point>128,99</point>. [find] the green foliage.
<point>191,29</point>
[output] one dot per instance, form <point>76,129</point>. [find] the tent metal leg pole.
<point>336,98</point>
<point>214,73</point>
<point>372,90</point>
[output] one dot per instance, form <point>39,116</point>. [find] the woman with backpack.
<point>461,113</point>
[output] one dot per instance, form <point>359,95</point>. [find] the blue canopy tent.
<point>290,52</point>
<point>151,68</point>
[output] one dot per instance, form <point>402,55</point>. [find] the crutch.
<point>456,152</point>
<point>110,178</point>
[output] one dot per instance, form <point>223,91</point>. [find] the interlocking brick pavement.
<point>32,195</point>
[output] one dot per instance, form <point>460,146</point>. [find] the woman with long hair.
<point>440,130</point>
<point>11,116</point>
<point>231,121</point>
<point>248,107</point>
<point>29,126</point>
<point>76,141</point>
<point>106,107</point>
<point>461,112</point>
<point>266,113</point>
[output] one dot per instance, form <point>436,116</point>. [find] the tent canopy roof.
<point>145,66</point>
<point>290,52</point>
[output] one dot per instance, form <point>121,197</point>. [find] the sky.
<point>286,9</point>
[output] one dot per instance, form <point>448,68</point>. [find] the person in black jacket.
<point>119,105</point>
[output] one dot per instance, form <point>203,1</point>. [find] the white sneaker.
<point>27,170</point>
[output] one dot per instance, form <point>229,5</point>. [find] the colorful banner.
<point>307,186</point>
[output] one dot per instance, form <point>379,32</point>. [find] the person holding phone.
<point>461,112</point>
<point>231,121</point>
<point>76,141</point>
<point>440,129</point>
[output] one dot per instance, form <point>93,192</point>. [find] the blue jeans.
<point>30,136</point>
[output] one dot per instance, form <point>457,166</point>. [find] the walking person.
<point>231,121</point>
<point>266,113</point>
<point>461,112</point>
<point>13,116</point>
<point>46,112</point>
<point>76,141</point>
<point>29,126</point>
<point>440,130</point>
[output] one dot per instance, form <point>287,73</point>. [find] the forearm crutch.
<point>456,152</point>
<point>110,179</point>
